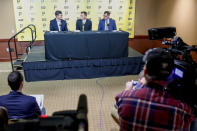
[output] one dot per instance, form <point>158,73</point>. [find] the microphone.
<point>82,104</point>
<point>83,26</point>
<point>108,23</point>
<point>82,111</point>
<point>60,25</point>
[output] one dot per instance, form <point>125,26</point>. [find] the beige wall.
<point>149,13</point>
<point>145,16</point>
<point>179,13</point>
<point>7,22</point>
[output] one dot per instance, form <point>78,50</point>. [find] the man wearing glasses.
<point>107,24</point>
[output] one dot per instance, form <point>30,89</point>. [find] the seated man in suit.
<point>107,24</point>
<point>19,106</point>
<point>84,24</point>
<point>58,24</point>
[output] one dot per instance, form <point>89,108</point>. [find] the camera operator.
<point>151,107</point>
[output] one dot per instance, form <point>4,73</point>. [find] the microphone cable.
<point>101,102</point>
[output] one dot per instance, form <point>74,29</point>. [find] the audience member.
<point>19,106</point>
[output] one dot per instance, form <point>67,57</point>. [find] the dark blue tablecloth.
<point>85,45</point>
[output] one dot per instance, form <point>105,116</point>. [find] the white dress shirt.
<point>83,22</point>
<point>106,22</point>
<point>59,23</point>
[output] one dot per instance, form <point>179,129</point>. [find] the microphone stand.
<point>60,25</point>
<point>83,26</point>
<point>107,26</point>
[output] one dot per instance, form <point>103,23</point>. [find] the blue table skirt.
<point>85,45</point>
<point>81,69</point>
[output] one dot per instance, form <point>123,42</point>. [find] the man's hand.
<point>129,85</point>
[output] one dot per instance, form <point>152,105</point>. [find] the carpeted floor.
<point>5,67</point>
<point>63,95</point>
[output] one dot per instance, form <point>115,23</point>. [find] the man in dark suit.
<point>84,24</point>
<point>19,106</point>
<point>107,24</point>
<point>58,24</point>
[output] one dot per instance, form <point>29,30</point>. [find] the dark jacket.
<point>20,106</point>
<point>112,25</point>
<point>87,26</point>
<point>54,26</point>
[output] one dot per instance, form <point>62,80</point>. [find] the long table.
<point>85,45</point>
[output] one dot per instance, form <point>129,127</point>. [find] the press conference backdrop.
<point>40,12</point>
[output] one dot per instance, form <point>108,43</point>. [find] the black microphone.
<point>107,24</point>
<point>82,111</point>
<point>82,104</point>
<point>60,25</point>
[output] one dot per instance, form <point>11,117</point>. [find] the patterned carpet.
<point>63,95</point>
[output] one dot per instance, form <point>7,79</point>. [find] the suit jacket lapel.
<point>81,24</point>
<point>104,24</point>
<point>62,24</point>
<point>110,24</point>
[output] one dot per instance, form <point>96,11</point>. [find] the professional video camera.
<point>72,120</point>
<point>183,81</point>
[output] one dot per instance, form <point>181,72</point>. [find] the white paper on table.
<point>39,99</point>
<point>116,31</point>
<point>76,31</point>
<point>54,31</point>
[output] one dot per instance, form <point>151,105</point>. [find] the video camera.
<point>183,81</point>
<point>69,120</point>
